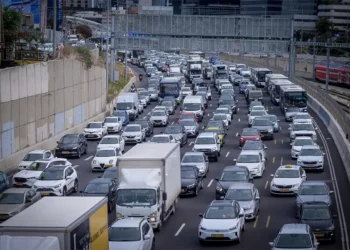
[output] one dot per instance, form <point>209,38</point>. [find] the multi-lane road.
<point>180,231</point>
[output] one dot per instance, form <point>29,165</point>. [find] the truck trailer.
<point>149,182</point>
<point>78,222</point>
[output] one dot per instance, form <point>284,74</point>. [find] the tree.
<point>325,28</point>
<point>84,30</point>
<point>11,23</point>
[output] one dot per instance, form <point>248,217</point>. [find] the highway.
<point>180,231</point>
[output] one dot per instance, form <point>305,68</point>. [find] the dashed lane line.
<point>180,229</point>
<point>211,181</point>
<point>75,166</point>
<point>266,184</point>
<point>256,221</point>
<point>88,158</point>
<point>227,154</point>
<point>268,221</point>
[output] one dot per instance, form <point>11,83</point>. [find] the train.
<point>339,74</point>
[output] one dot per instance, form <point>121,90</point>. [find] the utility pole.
<point>107,41</point>
<point>112,49</point>
<point>291,51</point>
<point>126,42</point>
<point>54,27</point>
<point>314,60</point>
<point>327,69</point>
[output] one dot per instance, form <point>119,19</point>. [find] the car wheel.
<point>86,147</point>
<point>160,225</point>
<point>219,153</point>
<point>201,242</point>
<point>79,153</point>
<point>76,186</point>
<point>153,245</point>
<point>197,191</point>
<point>216,159</point>
<point>64,192</point>
<point>202,184</point>
<point>243,228</point>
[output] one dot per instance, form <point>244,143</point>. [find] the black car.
<point>318,216</point>
<point>112,174</point>
<point>230,175</point>
<point>102,187</point>
<point>191,182</point>
<point>71,145</point>
<point>147,125</point>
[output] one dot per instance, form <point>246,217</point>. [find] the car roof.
<point>249,152</point>
<point>221,203</point>
<point>128,222</point>
<point>193,153</point>
<point>294,228</point>
<point>206,134</point>
<point>310,147</point>
<point>111,136</point>
<point>100,180</point>
<point>15,190</point>
<point>289,167</point>
<point>314,183</point>
<point>250,129</point>
<point>241,185</point>
<point>236,168</point>
<point>38,151</point>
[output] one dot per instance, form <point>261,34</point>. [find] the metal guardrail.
<point>320,95</point>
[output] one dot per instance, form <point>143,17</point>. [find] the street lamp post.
<point>107,40</point>
<point>126,41</point>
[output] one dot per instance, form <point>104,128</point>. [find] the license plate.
<point>91,135</point>
<point>19,184</point>
<point>285,190</point>
<point>110,129</point>
<point>319,235</point>
<point>310,165</point>
<point>3,217</point>
<point>45,194</point>
<point>109,165</point>
<point>65,152</point>
<point>130,139</point>
<point>158,123</point>
<point>217,235</point>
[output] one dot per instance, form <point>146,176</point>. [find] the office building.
<point>339,14</point>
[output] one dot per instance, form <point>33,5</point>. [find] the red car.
<point>249,134</point>
<point>187,116</point>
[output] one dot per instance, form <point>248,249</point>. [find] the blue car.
<point>242,88</point>
<point>4,182</point>
<point>274,120</point>
<point>123,115</point>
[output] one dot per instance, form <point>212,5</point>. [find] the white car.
<point>57,181</point>
<point>253,160</point>
<point>258,146</point>
<point>95,130</point>
<point>113,124</point>
<point>33,156</point>
<point>105,158</point>
<point>224,220</point>
<point>27,177</point>
<point>115,141</point>
<point>287,180</point>
<point>133,133</point>
<point>185,91</point>
<point>311,157</point>
<point>209,144</point>
<point>303,116</point>
<point>254,114</point>
<point>298,143</point>
<point>131,234</point>
<point>159,118</point>
<point>163,139</point>
<point>259,108</point>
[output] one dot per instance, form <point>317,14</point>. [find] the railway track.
<point>344,104</point>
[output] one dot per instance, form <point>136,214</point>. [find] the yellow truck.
<point>79,223</point>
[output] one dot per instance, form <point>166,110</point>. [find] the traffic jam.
<point>190,124</point>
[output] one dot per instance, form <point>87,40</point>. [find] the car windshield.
<point>105,153</point>
<point>255,108</point>
<point>303,142</point>
<point>52,174</point>
<point>320,213</point>
<point>110,174</point>
<point>302,116</point>
<point>250,132</point>
<point>220,212</point>
<point>163,139</point>
<point>205,140</point>
<point>310,152</point>
<point>158,113</point>
<point>167,104</point>
<point>253,145</point>
<point>94,125</point>
<point>257,113</point>
<point>255,94</point>
<point>187,174</point>
<point>11,198</point>
<point>219,117</point>
<point>110,140</point>
<point>191,106</point>
<point>132,129</point>
<point>293,241</point>
<point>303,126</point>
<point>173,130</point>
<point>97,188</point>
<point>192,158</point>
<point>37,166</point>
<point>69,139</point>
<point>124,234</point>
<point>119,113</point>
<point>272,118</point>
<point>136,197</point>
<point>32,157</point>
<point>248,159</point>
<point>239,195</point>
<point>261,122</point>
<point>292,109</point>
<point>186,89</point>
<point>233,176</point>
<point>221,111</point>
<point>112,120</point>
<point>281,173</point>
<point>187,123</point>
<point>313,190</point>
<point>124,105</point>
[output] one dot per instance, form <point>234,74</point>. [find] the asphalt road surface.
<point>181,229</point>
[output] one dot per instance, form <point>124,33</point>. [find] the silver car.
<point>153,94</point>
<point>185,91</point>
<point>311,158</point>
<point>169,107</point>
<point>159,118</point>
<point>290,112</point>
<point>191,127</point>
<point>298,143</point>
<point>295,236</point>
<point>178,132</point>
<point>248,197</point>
<point>197,159</point>
<point>256,146</point>
<point>264,126</point>
<point>222,117</point>
<point>225,111</point>
<point>302,129</point>
<point>143,100</point>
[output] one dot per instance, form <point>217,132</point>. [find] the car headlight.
<point>119,216</point>
<point>202,228</point>
<point>296,185</point>
<point>94,162</point>
<point>213,149</point>
<point>138,136</point>
<point>35,186</point>
<point>191,186</point>
<point>153,217</point>
<point>75,148</point>
<point>270,131</point>
<point>233,228</point>
<point>298,162</point>
<point>111,161</point>
<point>273,185</point>
<point>320,161</point>
<point>57,186</point>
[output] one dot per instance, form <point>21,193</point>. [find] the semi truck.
<point>149,182</point>
<point>77,222</point>
<point>194,69</point>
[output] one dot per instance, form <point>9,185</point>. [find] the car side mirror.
<point>146,237</point>
<point>81,192</point>
<point>28,200</point>
<point>317,244</point>
<point>272,175</point>
<point>316,128</point>
<point>257,198</point>
<point>164,196</point>
<point>200,215</point>
<point>272,244</point>
<point>323,153</point>
<point>57,142</point>
<point>331,192</point>
<point>265,147</point>
<point>241,215</point>
<point>234,159</point>
<point>114,108</point>
<point>335,216</point>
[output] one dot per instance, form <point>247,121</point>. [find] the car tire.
<point>202,184</point>
<point>216,158</point>
<point>201,242</point>
<point>64,192</point>
<point>79,153</point>
<point>219,153</point>
<point>153,247</point>
<point>76,186</point>
<point>86,148</point>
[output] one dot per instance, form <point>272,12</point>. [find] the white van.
<point>194,104</point>
<point>129,102</point>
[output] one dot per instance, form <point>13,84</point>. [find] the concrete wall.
<point>40,102</point>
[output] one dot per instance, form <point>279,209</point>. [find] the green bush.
<point>85,55</point>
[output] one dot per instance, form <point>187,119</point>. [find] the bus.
<point>293,96</point>
<point>258,76</point>
<point>275,85</point>
<point>270,77</point>
<point>198,53</point>
<point>170,86</point>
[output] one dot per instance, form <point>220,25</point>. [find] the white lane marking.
<point>282,141</point>
<point>281,128</point>
<point>179,231</point>
<point>88,158</point>
<point>237,109</point>
<point>236,134</point>
<point>172,123</point>
<point>75,166</point>
<point>210,105</point>
<point>148,113</point>
<point>211,181</point>
<point>343,227</point>
<point>227,154</point>
<point>239,119</point>
<point>191,143</point>
<point>203,127</point>
<point>208,114</point>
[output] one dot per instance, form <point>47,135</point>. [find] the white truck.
<point>130,103</point>
<point>174,69</point>
<point>149,182</point>
<point>29,243</point>
<point>194,69</point>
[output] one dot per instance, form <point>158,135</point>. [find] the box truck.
<point>130,103</point>
<point>77,222</point>
<point>29,243</point>
<point>149,182</point>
